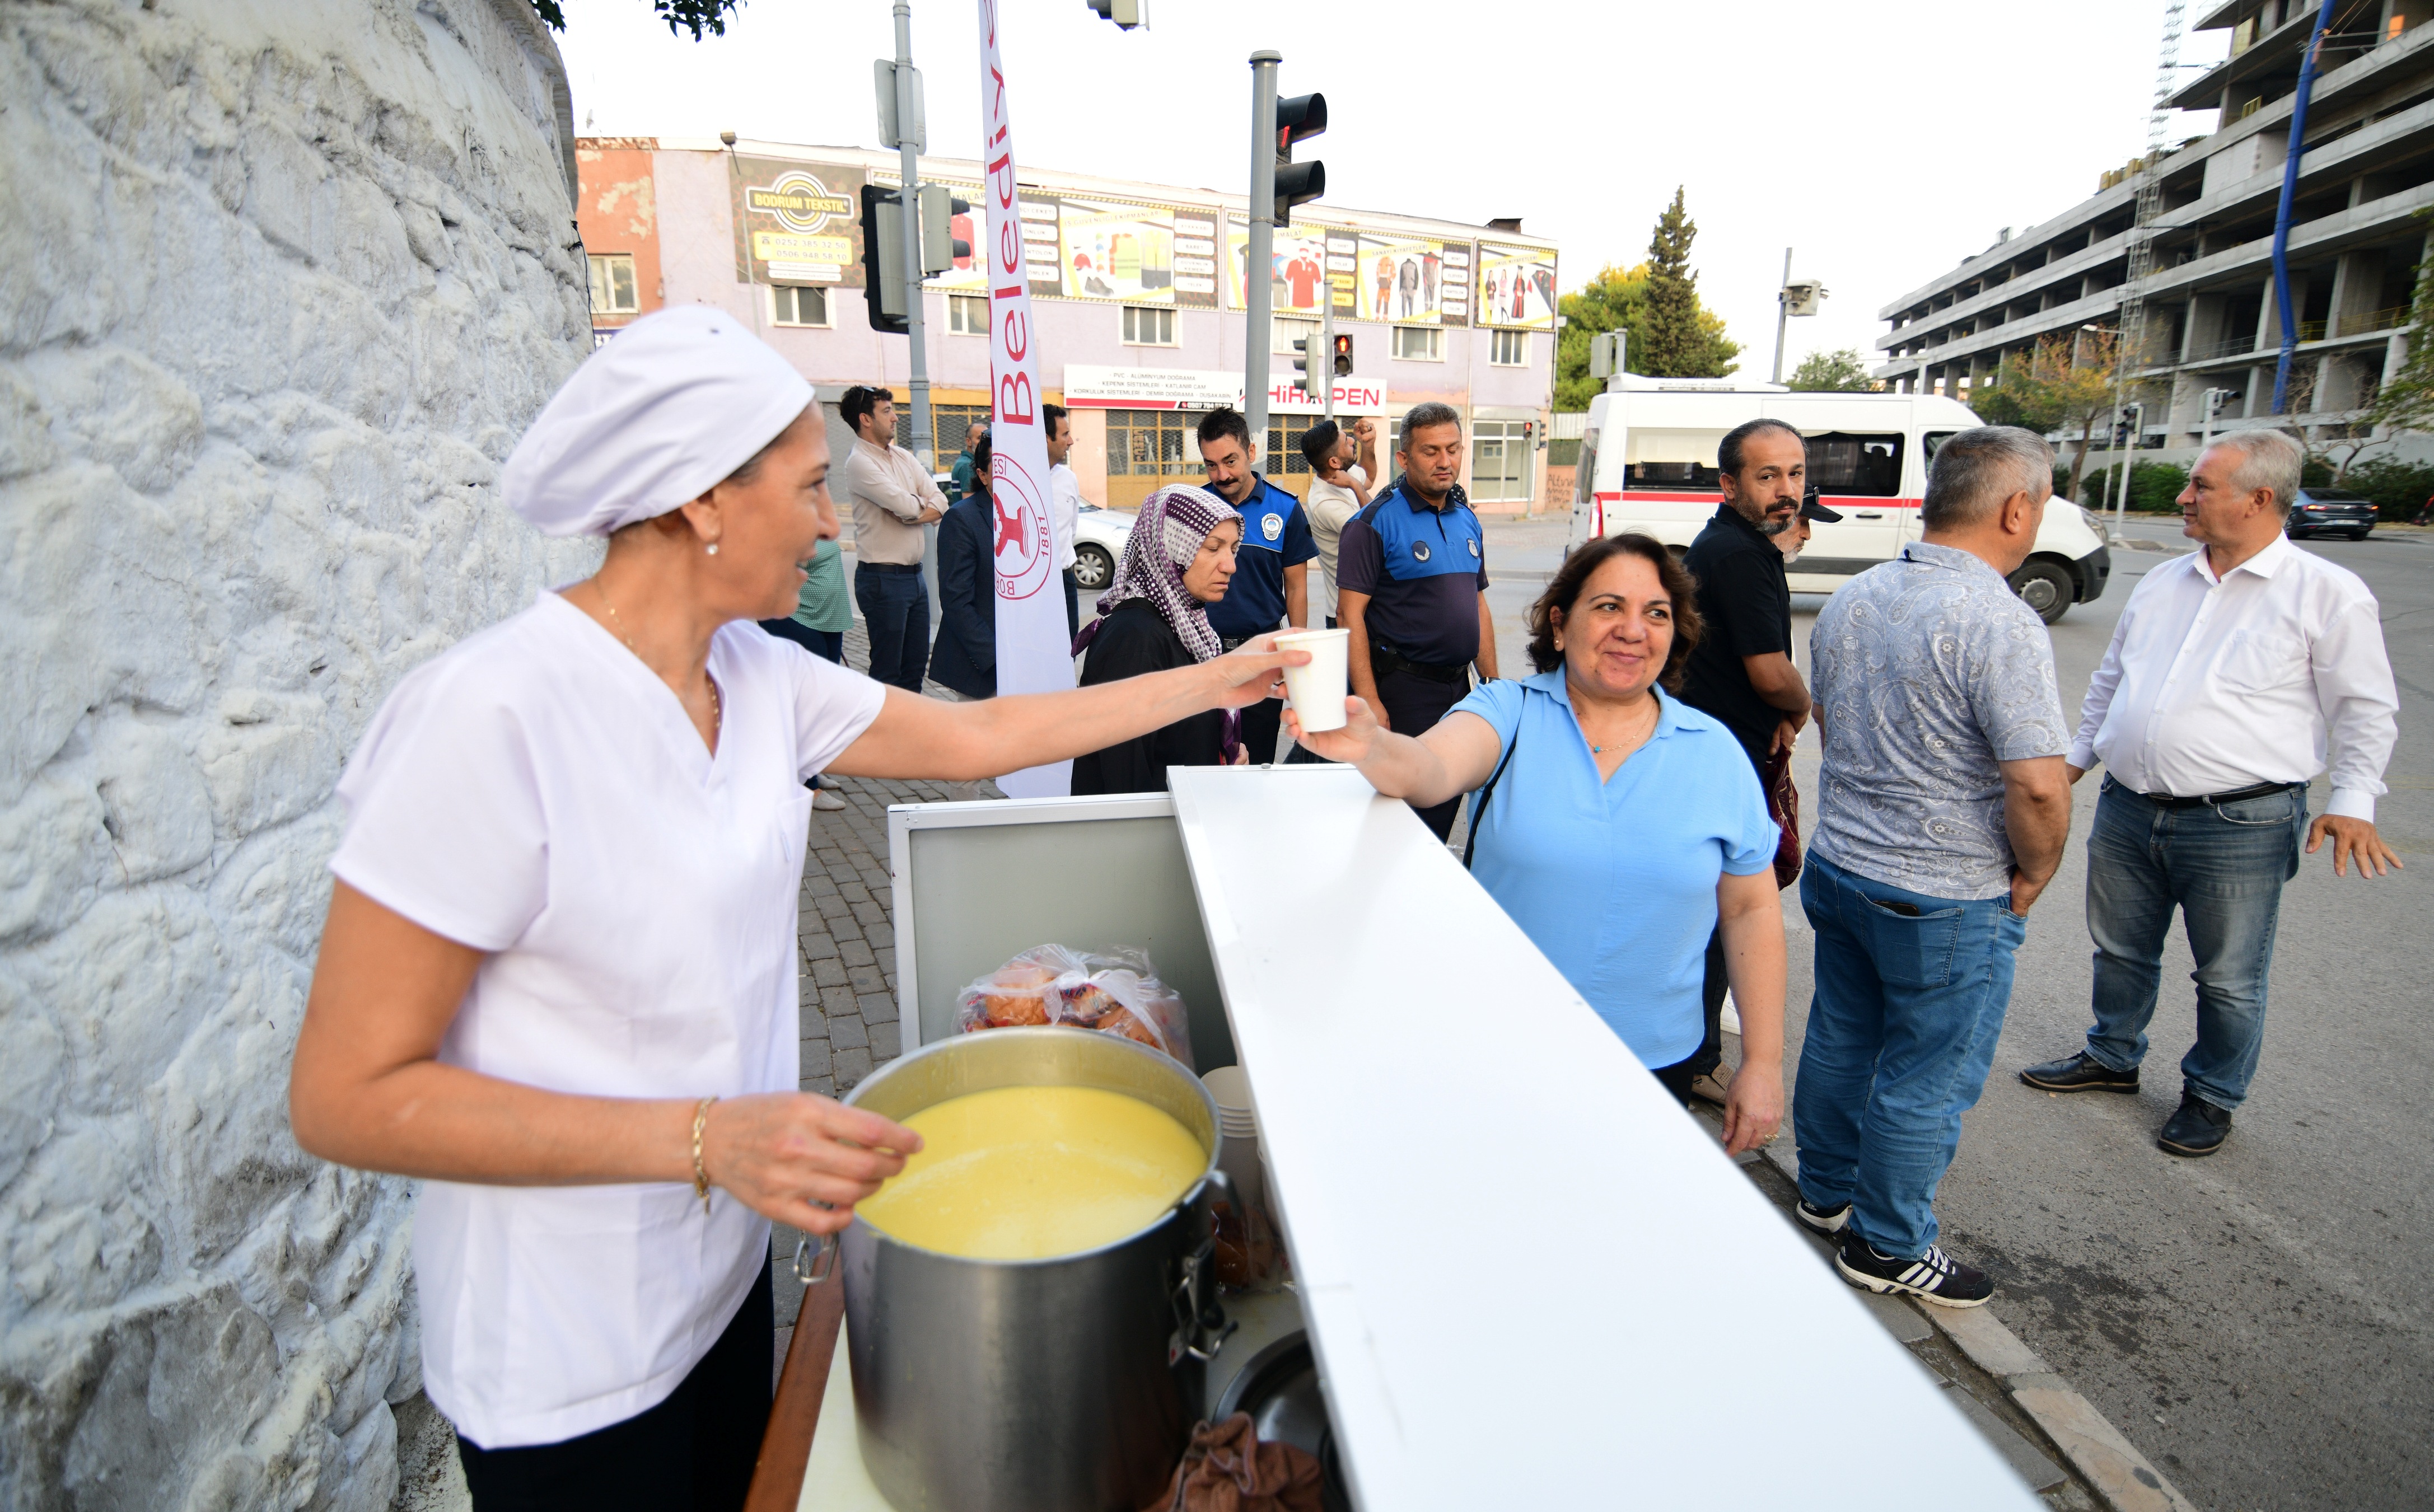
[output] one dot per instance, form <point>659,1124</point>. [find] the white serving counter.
<point>1529,1278</point>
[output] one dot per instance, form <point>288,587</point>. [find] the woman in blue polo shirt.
<point>1622,826</point>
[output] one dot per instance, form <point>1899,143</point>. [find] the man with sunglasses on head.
<point>892,497</point>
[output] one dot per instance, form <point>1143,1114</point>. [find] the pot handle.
<point>1201,1326</point>
<point>813,1267</point>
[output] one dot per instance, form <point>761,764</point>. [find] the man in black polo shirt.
<point>1742,670</point>
<point>1412,586</point>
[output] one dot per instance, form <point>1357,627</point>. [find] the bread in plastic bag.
<point>1116,991</point>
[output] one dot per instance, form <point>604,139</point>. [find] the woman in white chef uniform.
<point>557,979</point>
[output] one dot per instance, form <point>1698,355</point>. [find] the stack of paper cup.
<point>1318,689</point>
<point>1240,1157</point>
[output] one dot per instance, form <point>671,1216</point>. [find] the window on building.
<point>966,314</point>
<point>1148,327</point>
<point>1420,344</point>
<point>1284,332</point>
<point>1866,465</point>
<point>1151,444</point>
<point>612,284</point>
<point>951,424</point>
<point>1284,454</point>
<point>1509,349</point>
<point>1499,458</point>
<point>791,305</point>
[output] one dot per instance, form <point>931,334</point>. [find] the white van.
<point>1648,463</point>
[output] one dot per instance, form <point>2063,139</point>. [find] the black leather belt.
<point>2263,789</point>
<point>1383,659</point>
<point>887,567</point>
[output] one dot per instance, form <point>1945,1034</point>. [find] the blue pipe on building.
<point>2308,63</point>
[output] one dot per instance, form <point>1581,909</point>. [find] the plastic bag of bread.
<point>1113,992</point>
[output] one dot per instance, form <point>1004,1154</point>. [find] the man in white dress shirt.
<point>2231,674</point>
<point>1064,502</point>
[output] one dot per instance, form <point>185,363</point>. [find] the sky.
<point>1884,143</point>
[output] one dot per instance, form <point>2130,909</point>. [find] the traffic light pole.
<point>1260,259</point>
<point>909,195</point>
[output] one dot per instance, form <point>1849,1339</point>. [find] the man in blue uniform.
<point>1270,571</point>
<point>1412,586</point>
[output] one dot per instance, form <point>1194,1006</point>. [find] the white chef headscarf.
<point>674,404</point>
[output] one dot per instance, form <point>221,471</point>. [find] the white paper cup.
<point>1317,691</point>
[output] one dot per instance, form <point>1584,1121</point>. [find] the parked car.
<point>2329,512</point>
<point>1099,539</point>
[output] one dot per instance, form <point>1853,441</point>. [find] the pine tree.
<point>1681,340</point>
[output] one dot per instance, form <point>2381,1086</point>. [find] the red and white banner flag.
<point>1033,653</point>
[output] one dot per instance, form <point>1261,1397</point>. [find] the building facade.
<point>2357,236</point>
<point>1136,289</point>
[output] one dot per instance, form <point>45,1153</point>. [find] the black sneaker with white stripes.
<point>1933,1277</point>
<point>1821,1220</point>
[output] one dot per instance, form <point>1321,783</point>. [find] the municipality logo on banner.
<point>1033,653</point>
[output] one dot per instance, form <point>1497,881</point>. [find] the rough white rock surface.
<point>279,284</point>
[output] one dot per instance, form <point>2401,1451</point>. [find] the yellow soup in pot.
<point>1025,1173</point>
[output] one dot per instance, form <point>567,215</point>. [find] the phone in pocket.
<point>1908,910</point>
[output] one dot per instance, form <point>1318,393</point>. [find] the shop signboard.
<point>1088,387</point>
<point>795,222</point>
<point>1517,287</point>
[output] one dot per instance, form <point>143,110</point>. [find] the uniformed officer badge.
<point>1420,549</point>
<point>1273,526</point>
<point>1473,544</point>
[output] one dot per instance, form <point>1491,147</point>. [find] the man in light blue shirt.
<point>1943,808</point>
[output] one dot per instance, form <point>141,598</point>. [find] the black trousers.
<point>1413,705</point>
<point>692,1452</point>
<point>828,644</point>
<point>894,602</point>
<point>1073,606</point>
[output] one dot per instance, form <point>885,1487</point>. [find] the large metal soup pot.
<point>1066,1384</point>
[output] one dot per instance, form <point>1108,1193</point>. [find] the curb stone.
<point>2109,1464</point>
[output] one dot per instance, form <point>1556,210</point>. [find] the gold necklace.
<point>717,705</point>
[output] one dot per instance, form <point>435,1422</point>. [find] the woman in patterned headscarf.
<point>1179,557</point>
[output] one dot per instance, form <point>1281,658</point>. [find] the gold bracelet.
<point>700,1177</point>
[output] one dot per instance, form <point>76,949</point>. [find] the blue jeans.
<point>895,604</point>
<point>2223,865</point>
<point>1901,1032</point>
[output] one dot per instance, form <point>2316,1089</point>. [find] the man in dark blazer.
<point>964,657</point>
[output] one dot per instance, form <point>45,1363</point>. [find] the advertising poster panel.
<point>1401,279</point>
<point>1517,287</point>
<point>1300,270</point>
<point>1115,251</point>
<point>795,222</point>
<point>1454,298</point>
<point>1343,272</point>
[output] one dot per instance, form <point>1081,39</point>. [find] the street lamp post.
<point>908,139</point>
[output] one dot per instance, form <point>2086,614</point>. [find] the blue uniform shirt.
<point>1276,535</point>
<point>1616,880</point>
<point>1423,570</point>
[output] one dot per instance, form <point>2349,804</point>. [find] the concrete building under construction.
<point>2357,237</point>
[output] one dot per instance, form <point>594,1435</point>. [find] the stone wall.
<point>279,285</point>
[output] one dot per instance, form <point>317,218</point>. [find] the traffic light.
<point>1342,354</point>
<point>882,259</point>
<point>1297,183</point>
<point>1302,366</point>
<point>941,248</point>
<point>1124,13</point>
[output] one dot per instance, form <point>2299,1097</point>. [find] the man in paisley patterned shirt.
<point>1943,808</point>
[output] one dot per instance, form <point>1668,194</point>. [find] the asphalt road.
<point>2255,1321</point>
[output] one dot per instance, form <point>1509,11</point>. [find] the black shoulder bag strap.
<point>1479,809</point>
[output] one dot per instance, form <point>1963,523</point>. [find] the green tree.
<point>1615,300</point>
<point>1833,372</point>
<point>1677,342</point>
<point>2064,383</point>
<point>2407,403</point>
<point>696,16</point>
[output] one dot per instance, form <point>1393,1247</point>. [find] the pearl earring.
<point>713,548</point>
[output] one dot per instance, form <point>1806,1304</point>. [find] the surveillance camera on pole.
<point>1124,13</point>
<point>1793,299</point>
